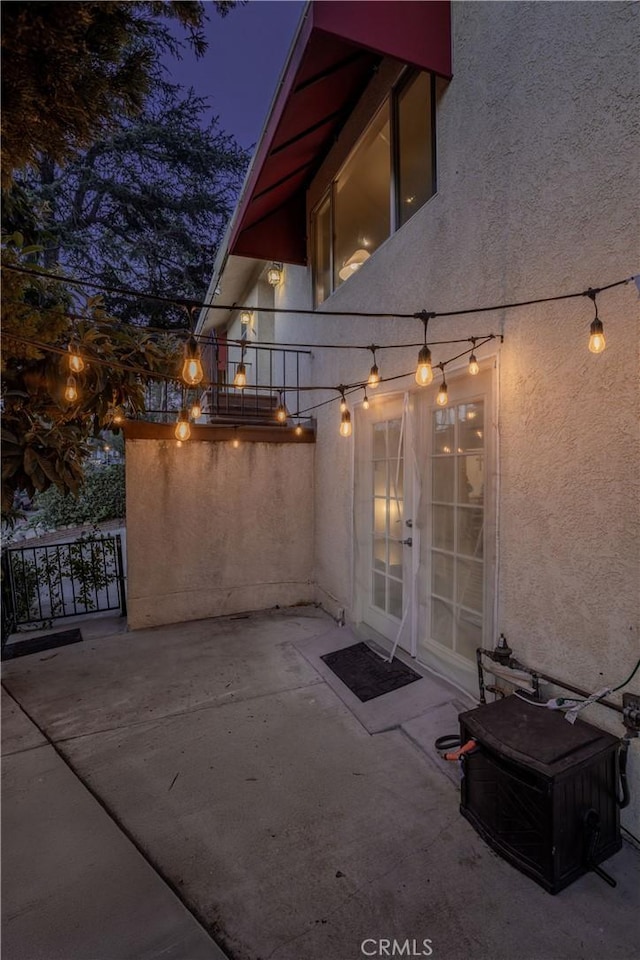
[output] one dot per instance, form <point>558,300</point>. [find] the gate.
<point>45,583</point>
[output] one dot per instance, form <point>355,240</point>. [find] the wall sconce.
<point>274,274</point>
<point>246,317</point>
<point>353,263</point>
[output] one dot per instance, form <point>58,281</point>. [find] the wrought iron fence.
<point>45,583</point>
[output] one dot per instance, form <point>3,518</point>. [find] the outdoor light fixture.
<point>298,431</point>
<point>183,427</point>
<point>196,410</point>
<point>281,412</point>
<point>76,363</point>
<point>117,415</point>
<point>246,316</point>
<point>71,389</point>
<point>442,399</point>
<point>240,379</point>
<point>597,341</point>
<point>373,381</point>
<point>424,371</point>
<point>192,372</point>
<point>474,366</point>
<point>345,424</point>
<point>274,274</point>
<point>343,404</point>
<point>353,263</point>
<point>235,443</point>
<point>365,402</point>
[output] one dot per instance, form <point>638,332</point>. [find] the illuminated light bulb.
<point>597,341</point>
<point>298,431</point>
<point>471,414</point>
<point>479,434</point>
<point>442,399</point>
<point>118,415</point>
<point>196,410</point>
<point>274,275</point>
<point>183,427</point>
<point>424,371</point>
<point>246,317</point>
<point>76,363</point>
<point>71,389</point>
<point>192,372</point>
<point>281,413</point>
<point>240,379</point>
<point>446,449</point>
<point>345,424</point>
<point>365,403</point>
<point>179,443</point>
<point>235,443</point>
<point>343,404</point>
<point>474,366</point>
<point>373,381</point>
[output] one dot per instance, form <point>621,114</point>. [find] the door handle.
<point>408,523</point>
<point>408,542</point>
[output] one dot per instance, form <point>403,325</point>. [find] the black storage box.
<point>541,791</point>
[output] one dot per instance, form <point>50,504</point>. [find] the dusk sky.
<point>240,70</point>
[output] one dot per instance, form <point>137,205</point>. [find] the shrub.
<point>101,498</point>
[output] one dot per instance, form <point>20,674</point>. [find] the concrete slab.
<point>437,722</point>
<point>295,833</point>
<point>73,886</point>
<point>18,733</point>
<point>382,713</point>
<point>134,677</point>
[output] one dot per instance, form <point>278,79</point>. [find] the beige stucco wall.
<point>214,530</point>
<point>538,158</point>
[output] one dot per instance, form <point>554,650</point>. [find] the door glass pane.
<point>468,633</point>
<point>395,598</point>
<point>442,575</point>
<point>443,518</point>
<point>380,515</point>
<point>380,554</point>
<point>379,583</point>
<point>469,585</point>
<point>396,478</point>
<point>395,558</point>
<point>416,174</point>
<point>470,523</point>
<point>379,441</point>
<point>443,485</point>
<point>442,622</point>
<point>471,426</point>
<point>380,478</point>
<point>443,431</point>
<point>394,439</point>
<point>470,480</point>
<point>362,208</point>
<point>322,251</point>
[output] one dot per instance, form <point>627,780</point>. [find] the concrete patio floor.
<point>209,781</point>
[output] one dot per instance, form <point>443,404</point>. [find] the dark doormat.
<point>21,648</point>
<point>366,674</point>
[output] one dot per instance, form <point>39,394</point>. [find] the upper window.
<point>389,175</point>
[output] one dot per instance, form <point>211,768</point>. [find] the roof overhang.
<point>338,46</point>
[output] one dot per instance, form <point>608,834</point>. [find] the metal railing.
<point>45,583</point>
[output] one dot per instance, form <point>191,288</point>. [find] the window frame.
<point>406,78</point>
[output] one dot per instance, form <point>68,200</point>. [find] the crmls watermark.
<point>396,948</point>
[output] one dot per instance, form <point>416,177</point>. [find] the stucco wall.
<point>214,530</point>
<point>538,147</point>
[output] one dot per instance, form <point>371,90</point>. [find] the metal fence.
<point>45,583</point>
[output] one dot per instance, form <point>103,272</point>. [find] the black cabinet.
<point>539,790</point>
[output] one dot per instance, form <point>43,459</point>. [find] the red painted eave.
<point>339,45</point>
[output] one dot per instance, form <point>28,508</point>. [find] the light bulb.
<point>345,424</point>
<point>442,398</point>
<point>183,428</point>
<point>71,389</point>
<point>192,372</point>
<point>117,415</point>
<point>424,371</point>
<point>245,317</point>
<point>240,379</point>
<point>365,403</point>
<point>374,378</point>
<point>274,275</point>
<point>76,363</point>
<point>196,410</point>
<point>298,431</point>
<point>281,413</point>
<point>474,367</point>
<point>343,404</point>
<point>235,443</point>
<point>597,341</point>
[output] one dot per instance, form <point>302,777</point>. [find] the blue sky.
<point>240,70</point>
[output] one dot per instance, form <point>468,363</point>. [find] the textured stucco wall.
<point>214,530</point>
<point>538,158</point>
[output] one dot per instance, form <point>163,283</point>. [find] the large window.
<point>388,176</point>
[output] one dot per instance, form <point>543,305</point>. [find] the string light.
<point>183,427</point>
<point>192,372</point>
<point>597,341</point>
<point>235,443</point>
<point>196,410</point>
<point>365,402</point>
<point>298,431</point>
<point>424,370</point>
<point>246,316</point>
<point>76,363</point>
<point>240,379</point>
<point>442,398</point>
<point>474,366</point>
<point>345,424</point>
<point>274,274</point>
<point>281,412</point>
<point>373,380</point>
<point>71,389</point>
<point>117,415</point>
<point>343,404</point>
